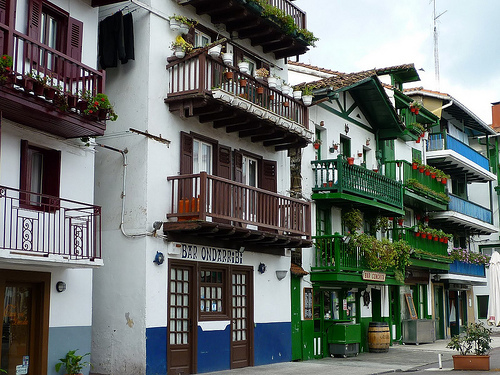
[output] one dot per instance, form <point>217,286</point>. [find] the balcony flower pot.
<point>418,140</point>
<point>429,236</point>
<point>414,165</point>
<point>438,179</point>
<point>436,238</point>
<point>443,181</point>
<point>174,24</point>
<point>227,58</point>
<point>297,95</point>
<point>427,173</point>
<point>244,66</point>
<point>215,51</point>
<point>417,234</point>
<point>286,104</point>
<point>179,52</point>
<point>316,144</point>
<point>350,160</point>
<point>421,170</point>
<point>229,75</point>
<point>272,82</point>
<point>260,90</point>
<point>401,222</point>
<point>82,105</point>
<point>286,90</point>
<point>49,92</point>
<point>183,28</point>
<point>38,88</point>
<point>72,101</point>
<point>243,82</point>
<point>433,175</point>
<point>307,99</point>
<point>360,154</point>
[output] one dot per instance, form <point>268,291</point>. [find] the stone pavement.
<point>423,358</point>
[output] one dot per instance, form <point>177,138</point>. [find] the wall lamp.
<point>281,274</point>
<point>262,268</point>
<point>159,258</point>
<point>60,286</point>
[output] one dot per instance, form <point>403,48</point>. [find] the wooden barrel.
<point>379,337</point>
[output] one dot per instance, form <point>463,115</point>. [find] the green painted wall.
<point>296,316</point>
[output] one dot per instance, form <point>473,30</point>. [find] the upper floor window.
<point>201,39</point>
<point>202,157</point>
<point>40,175</point>
<point>249,171</point>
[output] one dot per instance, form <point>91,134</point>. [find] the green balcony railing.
<point>333,254</point>
<point>429,247</point>
<point>403,171</point>
<point>337,176</point>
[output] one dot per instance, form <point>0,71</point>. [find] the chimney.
<point>495,115</point>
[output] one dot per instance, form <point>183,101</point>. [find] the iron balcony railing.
<point>45,225</point>
<point>443,141</point>
<point>470,209</point>
<point>426,185</point>
<point>201,74</point>
<point>210,198</point>
<point>336,175</point>
<point>290,9</point>
<point>61,71</point>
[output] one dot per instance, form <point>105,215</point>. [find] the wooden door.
<point>181,352</point>
<point>241,319</point>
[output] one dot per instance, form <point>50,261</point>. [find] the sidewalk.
<point>423,358</point>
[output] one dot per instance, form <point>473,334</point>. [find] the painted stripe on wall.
<point>273,343</point>
<point>156,351</point>
<point>213,350</point>
<point>64,339</point>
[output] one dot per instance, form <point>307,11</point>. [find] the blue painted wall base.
<point>272,343</point>
<point>156,351</point>
<point>214,350</point>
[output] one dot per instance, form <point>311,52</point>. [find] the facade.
<point>370,142</point>
<point>50,227</point>
<point>199,220</point>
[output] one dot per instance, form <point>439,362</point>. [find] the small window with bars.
<point>212,284</point>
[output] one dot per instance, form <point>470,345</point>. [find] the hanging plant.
<point>353,220</point>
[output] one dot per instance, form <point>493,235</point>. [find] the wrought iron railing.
<point>66,74</point>
<point>209,198</point>
<point>470,209</point>
<point>45,225</point>
<point>336,175</point>
<point>403,171</point>
<point>439,141</point>
<point>202,74</point>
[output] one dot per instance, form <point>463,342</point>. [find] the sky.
<point>358,35</point>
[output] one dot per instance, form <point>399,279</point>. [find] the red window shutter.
<point>224,162</point>
<point>238,166</point>
<point>24,183</point>
<point>186,166</point>
<point>34,29</point>
<point>74,39</point>
<point>51,179</point>
<point>268,175</point>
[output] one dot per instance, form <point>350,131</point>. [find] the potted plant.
<point>229,74</point>
<point>353,220</point>
<point>181,23</point>
<point>350,160</point>
<point>180,47</point>
<point>307,95</point>
<point>297,94</point>
<point>261,73</point>
<point>473,346</point>
<point>244,66</point>
<point>6,75</point>
<point>39,82</point>
<point>73,363</point>
<point>286,89</point>
<point>215,51</point>
<point>317,143</point>
<point>100,107</point>
<point>272,81</point>
<point>227,58</point>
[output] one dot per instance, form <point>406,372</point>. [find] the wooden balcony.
<point>465,216</point>
<point>427,253</point>
<point>352,185</point>
<point>336,261</point>
<point>247,18</point>
<point>39,228</point>
<point>465,274</point>
<point>20,102</point>
<point>236,214</point>
<point>198,87</point>
<point>456,158</point>
<point>421,191</point>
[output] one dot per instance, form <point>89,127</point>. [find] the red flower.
<point>90,111</point>
<point>96,103</point>
<point>4,57</point>
<point>102,99</point>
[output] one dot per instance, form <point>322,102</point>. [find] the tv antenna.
<point>436,46</point>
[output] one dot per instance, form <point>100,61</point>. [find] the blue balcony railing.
<point>467,269</point>
<point>441,141</point>
<point>470,209</point>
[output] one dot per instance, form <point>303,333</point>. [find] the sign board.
<point>308,303</point>
<point>207,253</point>
<point>411,305</point>
<point>373,276</point>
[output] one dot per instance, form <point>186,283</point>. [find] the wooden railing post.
<point>340,173</point>
<point>337,241</point>
<point>203,195</point>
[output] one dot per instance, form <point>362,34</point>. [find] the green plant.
<point>307,90</point>
<point>262,72</point>
<point>182,44</point>
<point>352,219</point>
<point>98,102</point>
<point>42,79</point>
<point>73,363</point>
<point>475,340</point>
<point>5,63</point>
<point>183,19</point>
<point>3,371</point>
<point>464,255</point>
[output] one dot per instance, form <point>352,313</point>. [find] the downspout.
<point>124,194</point>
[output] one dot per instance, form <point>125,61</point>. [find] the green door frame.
<point>439,312</point>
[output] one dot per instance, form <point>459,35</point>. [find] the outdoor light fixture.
<point>281,274</point>
<point>346,128</point>
<point>61,286</point>
<point>262,268</point>
<point>159,258</point>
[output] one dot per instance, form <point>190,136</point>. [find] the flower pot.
<point>227,58</point>
<point>471,362</point>
<point>416,111</point>
<point>360,154</point>
<point>445,240</point>
<point>272,82</point>
<point>307,99</point>
<point>183,28</point>
<point>414,165</point>
<point>215,51</point>
<point>330,183</point>
<point>243,82</point>
<point>401,222</point>
<point>229,75</point>
<point>38,88</point>
<point>102,114</point>
<point>244,66</point>
<point>260,90</point>
<point>49,93</point>
<point>72,101</point>
<point>436,238</point>
<point>433,175</point>
<point>297,95</point>
<point>179,53</point>
<point>438,179</point>
<point>286,90</point>
<point>174,24</point>
<point>427,173</point>
<point>421,170</point>
<point>412,109</point>
<point>417,234</point>
<point>443,181</point>
<point>316,146</point>
<point>418,140</point>
<point>7,77</point>
<point>350,161</point>
<point>441,239</point>
<point>286,104</point>
<point>375,170</point>
<point>82,105</point>
<point>429,236</point>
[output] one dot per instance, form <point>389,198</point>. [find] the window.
<point>482,307</point>
<point>212,297</point>
<point>201,39</point>
<point>202,157</point>
<point>40,174</point>
<point>345,147</point>
<point>249,171</point>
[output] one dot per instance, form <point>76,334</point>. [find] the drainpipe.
<point>123,195</point>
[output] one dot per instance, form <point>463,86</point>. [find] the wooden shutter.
<point>268,175</point>
<point>4,13</point>
<point>51,179</point>
<point>74,41</point>
<point>238,166</point>
<point>24,183</point>
<point>224,162</point>
<point>186,166</point>
<point>34,25</point>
